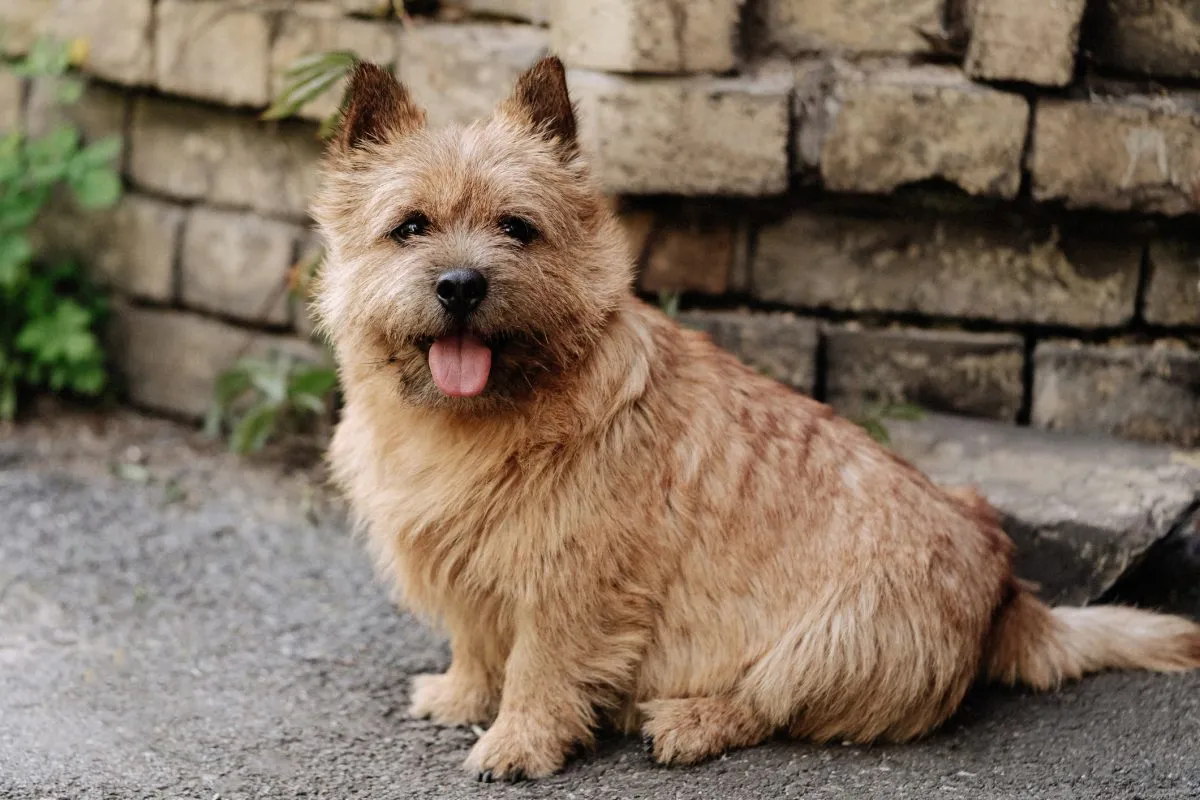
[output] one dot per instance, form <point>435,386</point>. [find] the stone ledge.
<point>1082,510</point>
<point>690,136</point>
<point>1136,391</point>
<point>977,374</point>
<point>900,126</point>
<point>781,346</point>
<point>657,36</point>
<point>1125,154</point>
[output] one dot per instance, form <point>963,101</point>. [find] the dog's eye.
<point>519,229</point>
<point>413,225</point>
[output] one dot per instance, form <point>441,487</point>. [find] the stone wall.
<point>980,206</point>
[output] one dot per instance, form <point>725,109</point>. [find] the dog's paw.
<point>690,730</point>
<point>450,701</point>
<point>514,750</point>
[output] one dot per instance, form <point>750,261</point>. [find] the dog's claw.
<point>648,745</point>
<point>485,776</point>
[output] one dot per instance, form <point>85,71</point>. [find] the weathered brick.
<point>531,10</point>
<point>991,267</point>
<point>903,126</point>
<point>1024,40</point>
<point>213,50</point>
<point>781,346</point>
<point>1173,292</point>
<point>697,135</point>
<point>1154,38</point>
<point>170,360</point>
<point>690,253</point>
<point>1145,392</point>
<point>119,36</point>
<point>458,73</point>
<point>130,247</point>
<point>199,153</point>
<point>647,35</point>
<point>12,92</point>
<point>21,22</point>
<point>101,111</point>
<point>859,26</point>
<point>306,34</point>
<point>1134,154</point>
<point>237,264</point>
<point>977,374</point>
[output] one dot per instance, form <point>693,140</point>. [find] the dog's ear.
<point>377,108</point>
<point>541,100</point>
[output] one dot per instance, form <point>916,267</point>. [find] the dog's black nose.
<point>460,291</point>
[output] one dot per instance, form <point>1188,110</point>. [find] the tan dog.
<point>612,518</point>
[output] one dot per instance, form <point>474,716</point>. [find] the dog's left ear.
<point>377,108</point>
<point>541,100</point>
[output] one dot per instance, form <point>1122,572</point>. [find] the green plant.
<point>872,418</point>
<point>260,398</point>
<point>307,79</point>
<point>51,315</point>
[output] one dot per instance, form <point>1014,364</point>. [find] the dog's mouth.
<point>460,364</point>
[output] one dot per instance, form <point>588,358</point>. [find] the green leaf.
<point>316,381</point>
<point>100,153</point>
<point>254,429</point>
<point>876,430</point>
<point>905,411</point>
<point>97,188</point>
<point>68,91</point>
<point>57,146</point>
<point>8,398</point>
<point>15,254</point>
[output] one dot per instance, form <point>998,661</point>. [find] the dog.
<point>615,521</point>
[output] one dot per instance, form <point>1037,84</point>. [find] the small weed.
<point>262,398</point>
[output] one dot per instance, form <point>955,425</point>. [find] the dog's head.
<point>471,266</point>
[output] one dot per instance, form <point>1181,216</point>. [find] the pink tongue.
<point>460,365</point>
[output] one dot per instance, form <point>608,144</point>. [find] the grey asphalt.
<point>178,623</point>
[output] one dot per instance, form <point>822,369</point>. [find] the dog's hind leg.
<point>690,729</point>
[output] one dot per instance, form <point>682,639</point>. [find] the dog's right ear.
<point>377,108</point>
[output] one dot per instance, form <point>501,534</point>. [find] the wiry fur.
<point>628,523</point>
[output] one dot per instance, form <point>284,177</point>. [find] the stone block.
<point>21,23</point>
<point>199,153</point>
<point>1033,41</point>
<point>690,252</point>
<point>101,111</point>
<point>781,346</point>
<point>1081,509</point>
<point>1152,38</point>
<point>305,34</point>
<point>1173,292</point>
<point>996,267</point>
<point>170,360</point>
<point>12,94</point>
<point>213,50</point>
<point>976,374</point>
<point>902,126</point>
<point>1146,392</point>
<point>459,73</point>
<point>647,35</point>
<point>119,36</point>
<point>236,264</point>
<point>130,247</point>
<point>1133,154</point>
<point>691,136</point>
<point>528,10</point>
<point>852,26</point>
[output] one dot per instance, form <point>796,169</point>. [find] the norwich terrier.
<point>614,520</point>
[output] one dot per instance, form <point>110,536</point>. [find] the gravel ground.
<point>178,623</point>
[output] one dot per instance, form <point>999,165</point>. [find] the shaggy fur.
<point>628,524</point>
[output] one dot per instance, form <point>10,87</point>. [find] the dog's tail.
<point>1036,645</point>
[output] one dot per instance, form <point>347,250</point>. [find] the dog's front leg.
<point>563,663</point>
<point>469,692</point>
